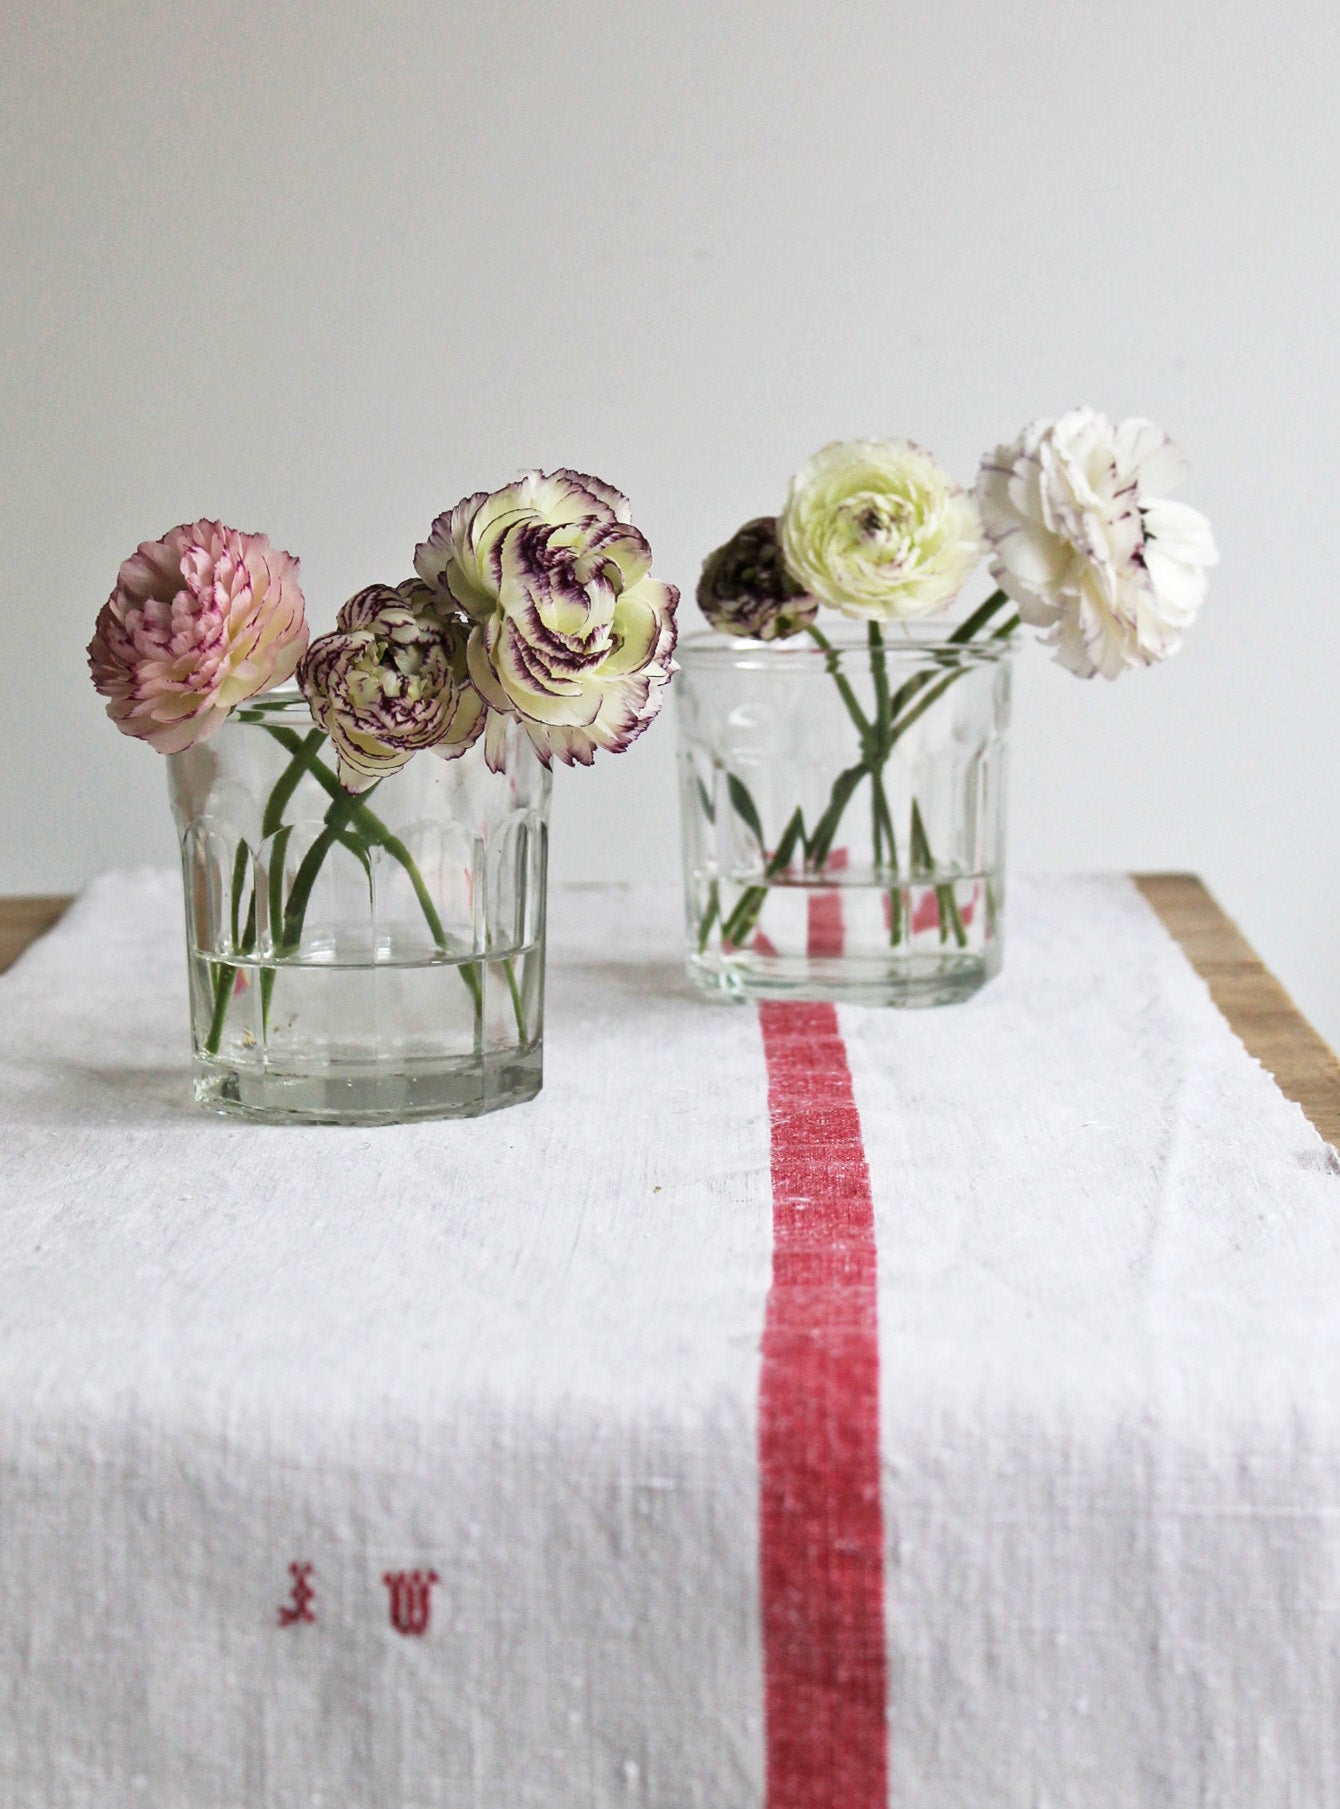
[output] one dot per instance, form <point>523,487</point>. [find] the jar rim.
<point>707,647</point>
<point>279,701</point>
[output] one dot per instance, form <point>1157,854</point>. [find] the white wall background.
<point>321,268</point>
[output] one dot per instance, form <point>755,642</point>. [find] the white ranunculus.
<point>879,530</point>
<point>1085,542</point>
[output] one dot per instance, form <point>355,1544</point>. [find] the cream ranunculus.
<point>1084,541</point>
<point>879,530</point>
<point>390,682</point>
<point>570,635</point>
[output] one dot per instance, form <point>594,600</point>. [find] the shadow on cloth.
<point>84,1093</point>
<point>640,980</point>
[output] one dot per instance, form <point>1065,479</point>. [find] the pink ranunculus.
<point>199,621</point>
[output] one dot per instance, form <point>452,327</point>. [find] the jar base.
<point>369,1094</point>
<point>908,983</point>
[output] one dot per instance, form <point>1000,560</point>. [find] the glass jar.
<point>360,960</point>
<point>843,815</point>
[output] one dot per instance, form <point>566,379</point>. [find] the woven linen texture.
<point>420,1466</point>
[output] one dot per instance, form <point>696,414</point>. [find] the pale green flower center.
<point>387,670</point>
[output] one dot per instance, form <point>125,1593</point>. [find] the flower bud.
<point>745,588</point>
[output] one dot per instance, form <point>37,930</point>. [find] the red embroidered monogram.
<point>299,1607</point>
<point>822,1524</point>
<point>411,1599</point>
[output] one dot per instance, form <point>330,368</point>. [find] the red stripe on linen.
<point>825,930</point>
<point>822,1523</point>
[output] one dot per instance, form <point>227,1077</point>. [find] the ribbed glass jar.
<point>843,815</point>
<point>359,960</point>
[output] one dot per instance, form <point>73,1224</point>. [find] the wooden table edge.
<point>1259,1011</point>
<point>23,920</point>
<point>1257,1008</point>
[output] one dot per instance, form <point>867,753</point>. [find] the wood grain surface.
<point>1250,997</point>
<point>23,920</point>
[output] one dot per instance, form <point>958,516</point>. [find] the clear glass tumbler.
<point>843,815</point>
<point>360,960</point>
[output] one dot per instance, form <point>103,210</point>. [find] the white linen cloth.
<point>522,1352</point>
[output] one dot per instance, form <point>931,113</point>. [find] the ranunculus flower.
<point>1084,541</point>
<point>570,635</point>
<point>745,588</point>
<point>389,682</point>
<point>879,530</point>
<point>199,621</point>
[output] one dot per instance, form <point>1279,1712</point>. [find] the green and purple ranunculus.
<point>570,635</point>
<point>534,604</point>
<point>390,682</point>
<point>199,621</point>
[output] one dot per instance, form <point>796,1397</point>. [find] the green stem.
<point>469,972</point>
<point>876,742</point>
<point>355,813</point>
<point>966,631</point>
<point>890,726</point>
<point>895,915</point>
<point>923,863</point>
<point>239,884</point>
<point>895,714</point>
<point>879,672</point>
<point>275,896</point>
<point>884,816</point>
<point>825,830</point>
<point>751,901</point>
<point>362,820</point>
<point>304,753</point>
<point>709,916</point>
<point>944,897</point>
<point>347,820</point>
<point>739,926</point>
<point>749,905</point>
<point>225,976</point>
<point>300,892</point>
<point>878,739</point>
<point>832,660</point>
<point>398,851</point>
<point>901,724</point>
<point>967,628</point>
<point>222,975</point>
<point>518,1009</point>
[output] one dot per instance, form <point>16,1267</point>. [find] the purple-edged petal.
<point>390,685</point>
<point>1082,540</point>
<point>571,638</point>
